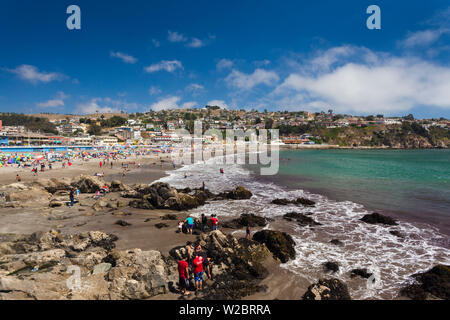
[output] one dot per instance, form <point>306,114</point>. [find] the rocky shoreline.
<point>41,265</point>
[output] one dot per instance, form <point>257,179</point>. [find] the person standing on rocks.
<point>72,197</point>
<point>190,224</point>
<point>206,260</point>
<point>248,232</point>
<point>214,221</point>
<point>183,275</point>
<point>197,266</point>
<point>204,222</point>
<point>189,250</point>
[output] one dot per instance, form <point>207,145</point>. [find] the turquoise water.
<point>411,184</point>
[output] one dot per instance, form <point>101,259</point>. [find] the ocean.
<point>411,185</point>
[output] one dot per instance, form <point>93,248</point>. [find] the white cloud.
<point>195,43</point>
<point>248,81</point>
<point>224,64</point>
<point>154,90</point>
<point>169,66</point>
<point>189,105</point>
<point>423,38</point>
<point>195,87</point>
<point>383,84</point>
<point>324,60</point>
<point>105,105</point>
<point>93,107</point>
<point>176,37</point>
<point>218,103</point>
<point>171,103</point>
<point>32,74</point>
<point>124,57</point>
<point>52,103</point>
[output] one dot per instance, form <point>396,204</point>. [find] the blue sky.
<point>275,55</point>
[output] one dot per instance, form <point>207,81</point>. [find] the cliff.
<point>405,136</point>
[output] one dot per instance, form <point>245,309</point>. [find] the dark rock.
<point>239,193</point>
<point>375,218</point>
<point>301,219</point>
<point>331,266</point>
<point>237,265</point>
<point>122,223</point>
<point>279,243</point>
<point>337,242</point>
<point>396,233</point>
<point>185,190</point>
<point>117,186</point>
<point>169,217</point>
<point>327,289</point>
<point>281,202</point>
<point>305,202</point>
<point>245,220</point>
<point>434,283</point>
<point>141,204</point>
<point>301,201</point>
<point>161,225</point>
<point>363,273</point>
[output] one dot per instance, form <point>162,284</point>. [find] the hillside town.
<point>153,127</point>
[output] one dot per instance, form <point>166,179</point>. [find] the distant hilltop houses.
<point>158,127</point>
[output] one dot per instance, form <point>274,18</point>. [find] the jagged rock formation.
<point>301,219</point>
<point>162,196</point>
<point>299,201</point>
<point>245,220</point>
<point>376,218</point>
<point>238,265</point>
<point>327,289</point>
<point>279,243</point>
<point>36,266</point>
<point>49,265</point>
<point>429,285</point>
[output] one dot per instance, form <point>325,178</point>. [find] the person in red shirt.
<point>101,164</point>
<point>197,266</point>
<point>183,273</point>
<point>214,221</point>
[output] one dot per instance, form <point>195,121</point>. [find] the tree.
<point>409,117</point>
<point>268,123</point>
<point>94,129</point>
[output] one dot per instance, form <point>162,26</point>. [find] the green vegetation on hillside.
<point>407,135</point>
<point>29,122</point>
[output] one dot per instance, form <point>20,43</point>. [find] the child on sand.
<point>180,227</point>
